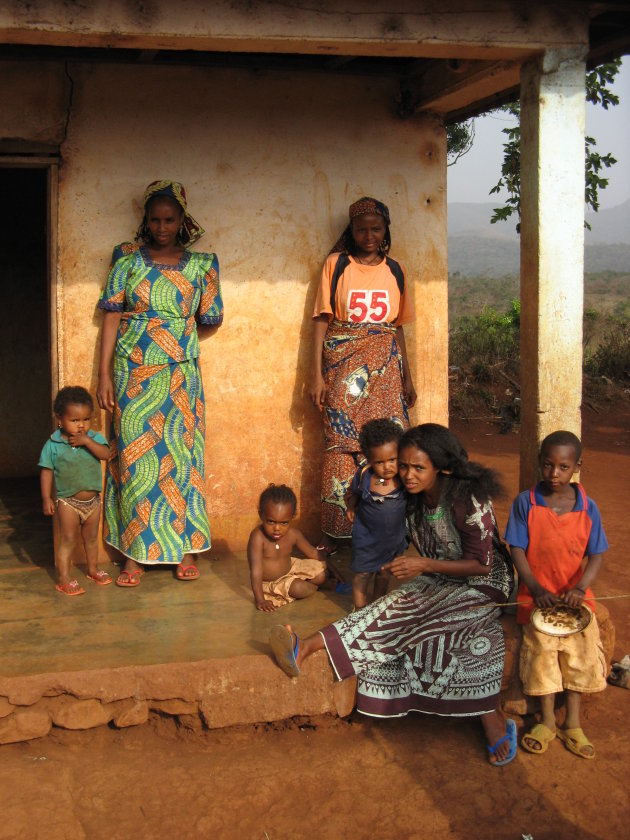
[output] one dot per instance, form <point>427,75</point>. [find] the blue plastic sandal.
<point>510,735</point>
<point>343,588</point>
<point>285,653</point>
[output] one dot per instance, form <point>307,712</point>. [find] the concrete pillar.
<point>552,248</point>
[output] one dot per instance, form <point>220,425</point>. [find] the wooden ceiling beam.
<point>453,86</point>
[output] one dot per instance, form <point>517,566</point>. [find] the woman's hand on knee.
<point>105,392</point>
<point>405,568</point>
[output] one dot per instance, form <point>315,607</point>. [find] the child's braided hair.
<point>278,494</point>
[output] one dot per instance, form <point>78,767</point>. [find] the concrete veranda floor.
<point>161,621</point>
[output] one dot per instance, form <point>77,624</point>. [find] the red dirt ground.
<point>419,777</point>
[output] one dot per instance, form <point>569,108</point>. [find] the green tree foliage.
<point>510,169</point>
<point>486,339</point>
<point>598,92</point>
<point>459,140</point>
<point>482,343</point>
<point>611,358</point>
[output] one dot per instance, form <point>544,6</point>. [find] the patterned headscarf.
<point>362,207</point>
<point>191,230</point>
<point>367,205</point>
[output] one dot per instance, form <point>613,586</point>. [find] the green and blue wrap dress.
<point>154,500</point>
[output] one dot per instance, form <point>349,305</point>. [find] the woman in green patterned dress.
<point>155,294</point>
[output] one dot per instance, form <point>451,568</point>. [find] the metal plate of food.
<point>562,620</point>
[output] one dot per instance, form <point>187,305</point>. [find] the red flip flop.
<point>180,574</point>
<point>70,588</point>
<point>101,577</point>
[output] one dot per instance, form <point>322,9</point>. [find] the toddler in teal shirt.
<point>71,482</point>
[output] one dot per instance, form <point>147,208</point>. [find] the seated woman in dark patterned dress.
<point>434,644</point>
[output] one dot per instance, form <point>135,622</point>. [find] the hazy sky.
<point>471,178</point>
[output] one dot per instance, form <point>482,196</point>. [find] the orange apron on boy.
<point>555,551</point>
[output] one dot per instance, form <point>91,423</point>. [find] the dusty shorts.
<point>84,507</point>
<point>277,591</point>
<point>550,664</point>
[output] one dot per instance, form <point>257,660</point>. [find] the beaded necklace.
<point>438,513</point>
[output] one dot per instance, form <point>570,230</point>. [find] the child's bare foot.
<point>501,736</point>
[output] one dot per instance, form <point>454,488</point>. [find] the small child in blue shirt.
<point>376,505</point>
<point>71,481</point>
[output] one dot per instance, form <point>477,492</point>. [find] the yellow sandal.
<point>575,740</point>
<point>542,735</point>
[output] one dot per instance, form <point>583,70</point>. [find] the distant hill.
<point>476,247</point>
<point>606,292</point>
<point>609,226</point>
<point>473,256</point>
<point>474,220</point>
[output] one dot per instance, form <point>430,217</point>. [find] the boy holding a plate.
<point>551,529</point>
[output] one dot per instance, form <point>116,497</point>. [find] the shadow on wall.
<point>26,535</point>
<point>307,419</point>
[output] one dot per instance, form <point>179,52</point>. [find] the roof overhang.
<point>455,57</point>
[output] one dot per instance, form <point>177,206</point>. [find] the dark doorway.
<point>25,378</point>
<point>24,337</point>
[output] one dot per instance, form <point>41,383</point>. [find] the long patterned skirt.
<point>428,646</point>
<point>362,368</point>
<point>154,502</point>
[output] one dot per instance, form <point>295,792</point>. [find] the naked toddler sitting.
<point>277,577</point>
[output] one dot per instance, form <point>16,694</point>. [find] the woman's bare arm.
<point>318,386</point>
<point>105,391</point>
<point>408,389</point>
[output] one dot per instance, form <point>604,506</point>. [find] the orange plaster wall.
<point>270,163</point>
